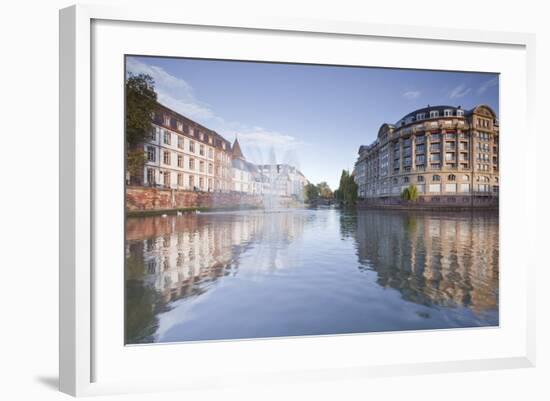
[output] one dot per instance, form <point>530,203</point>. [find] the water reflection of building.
<point>178,257</point>
<point>431,260</point>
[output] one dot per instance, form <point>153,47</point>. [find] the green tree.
<point>346,193</point>
<point>311,192</point>
<point>141,100</point>
<point>324,190</point>
<point>135,160</point>
<point>410,193</point>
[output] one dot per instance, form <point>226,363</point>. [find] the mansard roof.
<point>175,117</point>
<point>479,109</point>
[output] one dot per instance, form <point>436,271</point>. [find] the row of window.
<point>483,157</point>
<point>167,140</point>
<point>165,180</point>
<point>447,188</point>
<point>182,127</point>
<point>482,123</point>
<point>432,114</point>
<point>483,146</point>
<point>450,177</point>
<point>436,147</point>
<point>483,136</point>
<point>167,160</point>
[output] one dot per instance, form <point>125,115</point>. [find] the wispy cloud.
<point>267,138</point>
<point>178,94</point>
<point>459,91</point>
<point>172,91</point>
<point>411,95</point>
<point>263,146</point>
<point>486,85</point>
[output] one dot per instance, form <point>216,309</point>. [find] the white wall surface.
<point>29,206</point>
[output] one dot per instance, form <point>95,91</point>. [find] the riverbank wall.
<point>471,202</point>
<point>151,201</point>
<point>146,199</point>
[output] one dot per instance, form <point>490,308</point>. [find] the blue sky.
<point>314,117</point>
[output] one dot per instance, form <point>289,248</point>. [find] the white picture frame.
<point>80,214</point>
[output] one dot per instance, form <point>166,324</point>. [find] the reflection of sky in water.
<point>306,272</point>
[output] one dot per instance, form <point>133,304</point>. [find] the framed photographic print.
<point>274,200</point>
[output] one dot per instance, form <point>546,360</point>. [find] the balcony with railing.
<point>418,128</point>
<point>450,137</point>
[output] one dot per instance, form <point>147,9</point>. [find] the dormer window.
<point>420,116</point>
<point>434,114</point>
<point>167,120</point>
<point>460,113</point>
<point>447,113</point>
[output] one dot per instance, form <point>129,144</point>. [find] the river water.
<point>293,272</point>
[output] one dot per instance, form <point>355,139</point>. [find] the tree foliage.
<point>410,193</point>
<point>311,192</point>
<point>135,160</point>
<point>346,193</point>
<point>324,190</point>
<point>141,100</point>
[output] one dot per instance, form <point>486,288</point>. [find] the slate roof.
<point>237,152</point>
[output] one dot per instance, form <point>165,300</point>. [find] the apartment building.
<point>182,154</point>
<point>451,155</point>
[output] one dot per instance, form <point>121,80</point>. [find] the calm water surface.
<point>307,272</point>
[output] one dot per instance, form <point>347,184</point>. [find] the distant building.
<point>246,176</point>
<point>450,154</point>
<point>286,180</point>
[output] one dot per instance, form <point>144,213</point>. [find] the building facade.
<point>246,176</point>
<point>451,155</point>
<point>182,154</point>
<point>286,180</point>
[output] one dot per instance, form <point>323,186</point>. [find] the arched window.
<point>496,179</point>
<point>405,179</point>
<point>465,177</point>
<point>436,178</point>
<point>451,177</point>
<point>420,178</point>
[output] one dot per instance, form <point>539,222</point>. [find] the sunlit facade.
<point>182,154</point>
<point>451,155</point>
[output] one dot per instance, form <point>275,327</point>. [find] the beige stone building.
<point>451,155</point>
<point>182,154</point>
